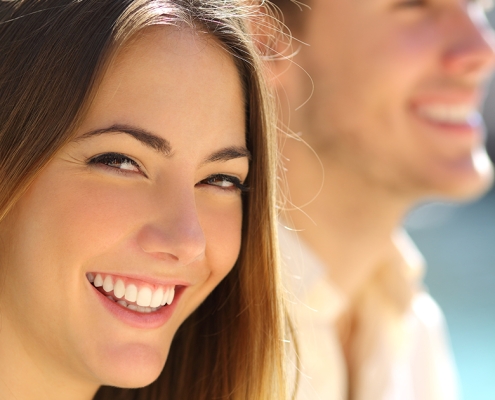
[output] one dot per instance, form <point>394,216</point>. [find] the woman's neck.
<point>25,373</point>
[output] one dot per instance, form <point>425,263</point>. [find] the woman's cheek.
<point>89,217</point>
<point>222,226</point>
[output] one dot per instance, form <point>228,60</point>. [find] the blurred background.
<point>458,243</point>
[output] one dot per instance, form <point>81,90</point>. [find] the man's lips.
<point>460,114</point>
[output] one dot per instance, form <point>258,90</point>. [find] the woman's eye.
<point>225,182</point>
<point>117,161</point>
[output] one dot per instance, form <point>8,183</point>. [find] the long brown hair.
<point>52,54</point>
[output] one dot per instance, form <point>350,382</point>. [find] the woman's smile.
<point>136,295</point>
<point>139,303</point>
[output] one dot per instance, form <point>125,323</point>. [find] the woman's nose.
<point>174,233</point>
<point>471,44</point>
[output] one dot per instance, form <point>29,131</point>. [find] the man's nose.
<point>471,42</point>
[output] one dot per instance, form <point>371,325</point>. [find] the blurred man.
<point>393,120</point>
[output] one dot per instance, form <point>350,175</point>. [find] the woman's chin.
<point>135,380</point>
<point>134,367</point>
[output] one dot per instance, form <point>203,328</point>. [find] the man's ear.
<point>285,75</point>
<point>273,39</point>
<point>279,49</point>
<point>281,66</point>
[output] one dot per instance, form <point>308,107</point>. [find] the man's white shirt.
<point>402,351</point>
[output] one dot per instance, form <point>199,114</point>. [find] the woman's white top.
<point>400,350</point>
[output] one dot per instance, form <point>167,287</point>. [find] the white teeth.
<point>108,284</point>
<point>119,289</point>
<point>134,307</point>
<point>157,298</point>
<point>453,114</point>
<point>165,297</point>
<point>110,297</point>
<point>171,295</point>
<point>98,281</point>
<point>131,293</point>
<point>168,297</point>
<point>144,297</point>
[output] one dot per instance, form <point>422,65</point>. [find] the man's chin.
<point>468,180</point>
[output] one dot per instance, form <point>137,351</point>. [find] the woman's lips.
<point>137,303</point>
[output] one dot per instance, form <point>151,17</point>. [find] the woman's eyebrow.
<point>163,145</point>
<point>147,138</point>
<point>228,153</point>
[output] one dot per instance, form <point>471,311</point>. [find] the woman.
<point>136,196</point>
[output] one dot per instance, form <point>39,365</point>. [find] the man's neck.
<point>348,223</point>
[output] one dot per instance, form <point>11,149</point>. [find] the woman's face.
<point>146,201</point>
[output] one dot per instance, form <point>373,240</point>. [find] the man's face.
<point>397,89</point>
